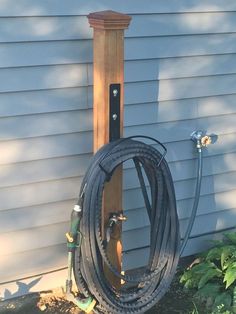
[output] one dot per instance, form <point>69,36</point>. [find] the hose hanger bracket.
<point>114,114</point>
<point>102,163</point>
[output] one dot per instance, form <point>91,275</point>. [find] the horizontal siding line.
<point>209,213</point>
<point>36,249</point>
<point>189,119</point>
<point>126,38</point>
<point>129,13</point>
<point>153,9</point>
<point>126,189</point>
<point>192,179</point>
<point>180,12</point>
<point>190,238</point>
<point>194,158</point>
<point>196,97</point>
<point>136,249</point>
<point>179,180</point>
<point>89,64</point>
<point>90,154</point>
<point>90,131</point>
<point>166,35</point>
<point>55,40</point>
<point>89,110</point>
<point>40,204</point>
<point>178,57</point>
<point>211,232</point>
<point>124,170</point>
<point>173,100</point>
<point>188,77</point>
<point>126,61</point>
<point>185,199</point>
<point>206,213</point>
<point>42,89</point>
<point>44,181</point>
<point>45,113</point>
<point>2,116</point>
<point>175,35</point>
<point>43,136</point>
<point>39,227</point>
<point>181,56</point>
<point>33,276</point>
<point>182,78</point>
<point>146,225</point>
<point>126,105</point>
<point>23,90</point>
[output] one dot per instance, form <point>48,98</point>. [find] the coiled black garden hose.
<point>90,255</point>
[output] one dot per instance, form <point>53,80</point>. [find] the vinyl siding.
<point>180,75</point>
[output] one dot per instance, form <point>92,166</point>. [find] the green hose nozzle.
<point>85,305</point>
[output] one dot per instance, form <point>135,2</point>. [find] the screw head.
<point>114,116</point>
<point>115,92</point>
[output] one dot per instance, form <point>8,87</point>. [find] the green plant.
<point>195,310</point>
<point>213,276</point>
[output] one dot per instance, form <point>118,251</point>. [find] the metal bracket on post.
<point>114,116</point>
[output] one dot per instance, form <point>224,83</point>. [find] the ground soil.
<point>176,300</point>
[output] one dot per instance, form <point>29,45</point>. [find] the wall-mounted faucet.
<point>201,140</point>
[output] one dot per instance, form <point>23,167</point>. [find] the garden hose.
<point>201,141</point>
<point>88,249</point>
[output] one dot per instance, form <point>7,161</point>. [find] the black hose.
<point>89,258</point>
<point>195,203</point>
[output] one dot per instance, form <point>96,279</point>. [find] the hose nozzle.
<point>86,305</point>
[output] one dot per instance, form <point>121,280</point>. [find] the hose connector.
<point>206,140</point>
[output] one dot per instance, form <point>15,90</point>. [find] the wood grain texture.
<point>109,69</point>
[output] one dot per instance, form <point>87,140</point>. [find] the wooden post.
<point>108,68</point>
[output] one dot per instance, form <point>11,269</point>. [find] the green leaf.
<point>227,256</point>
<point>230,275</point>
<point>223,299</point>
<point>202,267</point>
<point>210,290</point>
<point>231,236</point>
<point>189,284</point>
<point>186,276</point>
<point>214,254</point>
<point>211,273</point>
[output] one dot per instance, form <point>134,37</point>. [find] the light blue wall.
<point>180,75</point>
